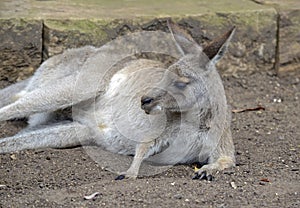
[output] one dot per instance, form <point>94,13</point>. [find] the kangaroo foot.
<point>206,172</point>
<point>202,176</point>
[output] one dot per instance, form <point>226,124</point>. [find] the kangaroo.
<point>164,114</point>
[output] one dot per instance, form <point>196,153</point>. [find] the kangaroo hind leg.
<point>10,93</point>
<point>60,135</point>
<point>46,99</point>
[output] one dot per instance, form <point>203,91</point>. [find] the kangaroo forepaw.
<point>125,176</point>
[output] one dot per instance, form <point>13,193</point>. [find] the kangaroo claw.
<point>195,177</point>
<point>120,177</point>
<point>202,176</point>
<point>209,178</point>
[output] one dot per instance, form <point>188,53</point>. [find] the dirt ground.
<point>267,151</point>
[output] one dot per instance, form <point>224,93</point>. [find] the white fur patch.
<point>157,108</point>
<point>19,95</point>
<point>115,83</point>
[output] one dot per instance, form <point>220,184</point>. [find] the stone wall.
<point>267,35</point>
<point>20,48</point>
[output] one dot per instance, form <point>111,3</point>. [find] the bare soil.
<point>267,151</point>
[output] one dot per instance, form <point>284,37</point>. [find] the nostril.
<point>146,100</point>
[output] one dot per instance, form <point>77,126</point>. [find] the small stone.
<point>178,196</point>
<point>233,185</point>
<point>262,183</point>
<point>13,157</point>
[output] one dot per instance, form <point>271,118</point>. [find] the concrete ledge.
<point>50,27</point>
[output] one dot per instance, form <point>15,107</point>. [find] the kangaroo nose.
<point>146,100</point>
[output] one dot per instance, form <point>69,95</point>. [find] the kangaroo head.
<point>183,83</point>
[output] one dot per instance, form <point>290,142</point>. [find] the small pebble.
<point>233,185</point>
<point>178,196</point>
<point>13,157</point>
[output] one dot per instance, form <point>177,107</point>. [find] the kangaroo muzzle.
<point>150,106</point>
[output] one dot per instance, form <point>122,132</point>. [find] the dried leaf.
<point>196,169</point>
<point>265,180</point>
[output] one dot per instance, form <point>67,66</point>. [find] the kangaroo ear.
<point>184,42</point>
<point>217,48</point>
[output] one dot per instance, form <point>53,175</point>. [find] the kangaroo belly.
<point>185,147</point>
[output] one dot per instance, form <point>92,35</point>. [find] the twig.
<point>92,196</point>
<point>258,108</point>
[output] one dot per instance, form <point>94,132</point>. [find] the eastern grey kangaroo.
<point>166,114</point>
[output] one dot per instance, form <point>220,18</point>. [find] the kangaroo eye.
<point>180,85</point>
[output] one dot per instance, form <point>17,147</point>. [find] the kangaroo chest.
<point>118,120</point>
<point>119,123</point>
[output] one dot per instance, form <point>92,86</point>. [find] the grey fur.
<point>190,121</point>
